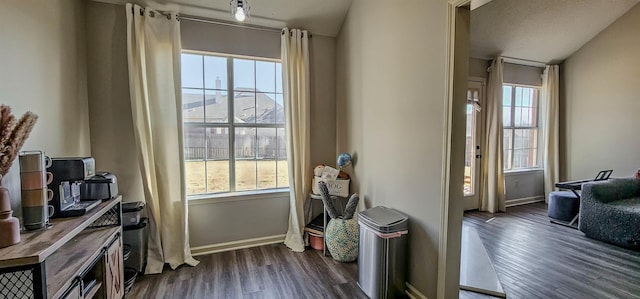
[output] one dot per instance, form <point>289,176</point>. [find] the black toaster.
<point>101,186</point>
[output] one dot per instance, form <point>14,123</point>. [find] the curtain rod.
<point>220,22</point>
<point>223,23</point>
<point>523,61</point>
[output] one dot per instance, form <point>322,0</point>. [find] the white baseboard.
<point>523,201</point>
<point>413,293</point>
<point>234,245</point>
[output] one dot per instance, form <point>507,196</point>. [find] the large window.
<point>233,112</point>
<point>520,120</point>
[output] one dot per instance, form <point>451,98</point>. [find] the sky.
<point>200,71</point>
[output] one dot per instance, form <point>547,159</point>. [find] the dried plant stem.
<point>13,135</point>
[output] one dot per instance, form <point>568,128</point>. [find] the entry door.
<point>473,153</point>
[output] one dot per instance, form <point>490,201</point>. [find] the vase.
<point>9,225</point>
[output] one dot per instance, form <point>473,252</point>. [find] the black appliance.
<point>68,176</point>
<point>101,186</point>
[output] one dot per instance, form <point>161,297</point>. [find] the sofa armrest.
<point>610,190</point>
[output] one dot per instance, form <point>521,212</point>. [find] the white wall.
<point>210,221</point>
<point>478,68</point>
<point>391,101</point>
<point>109,109</point>
<point>43,69</point>
<point>600,102</point>
<point>527,184</point>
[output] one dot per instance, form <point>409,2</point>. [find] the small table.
<point>324,223</point>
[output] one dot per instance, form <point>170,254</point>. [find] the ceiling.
<point>322,17</point>
<point>546,31</point>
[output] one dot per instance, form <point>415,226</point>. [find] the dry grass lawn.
<point>213,177</point>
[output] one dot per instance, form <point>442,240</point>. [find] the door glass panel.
<point>471,142</point>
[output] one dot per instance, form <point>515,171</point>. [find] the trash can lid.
<point>383,219</point>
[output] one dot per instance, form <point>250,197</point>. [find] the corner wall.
<point>599,103</point>
<point>42,56</point>
<point>391,66</point>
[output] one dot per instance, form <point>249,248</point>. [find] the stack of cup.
<point>34,179</point>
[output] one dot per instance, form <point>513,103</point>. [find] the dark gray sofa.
<point>610,211</point>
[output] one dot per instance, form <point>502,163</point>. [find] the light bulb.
<point>240,14</point>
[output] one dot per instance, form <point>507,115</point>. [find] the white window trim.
<point>213,198</point>
<point>219,197</point>
<point>538,127</point>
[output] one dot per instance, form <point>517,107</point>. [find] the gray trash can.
<point>382,260</point>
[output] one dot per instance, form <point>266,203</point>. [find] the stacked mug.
<point>34,179</point>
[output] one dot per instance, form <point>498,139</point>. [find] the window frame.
<point>537,127</point>
<point>231,126</point>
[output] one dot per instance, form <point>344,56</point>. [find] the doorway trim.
<point>448,285</point>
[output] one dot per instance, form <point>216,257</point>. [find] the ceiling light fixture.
<point>240,9</point>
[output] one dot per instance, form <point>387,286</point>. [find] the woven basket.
<point>342,239</point>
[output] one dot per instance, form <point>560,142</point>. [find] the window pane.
<point>520,158</point>
<point>507,159</point>
<point>245,175</point>
<point>265,76</point>
<point>216,110</point>
<point>518,99</point>
<point>245,153</point>
<point>217,144</point>
<point>506,116</point>
<point>245,139</point>
<point>245,107</point>
<point>267,154</point>
<point>507,145</point>
<point>279,77</point>
<point>506,95</point>
<point>280,108</point>
<point>192,105</point>
<point>194,144</point>
<point>265,108</point>
<point>218,176</point>
<point>283,166</point>
<point>191,65</point>
<point>267,143</point>
<point>244,75</point>
<point>517,118</point>
<point>194,172</point>
<point>194,152</point>
<point>215,72</point>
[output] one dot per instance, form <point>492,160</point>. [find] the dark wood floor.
<point>537,259</point>
<point>271,271</point>
<point>533,259</point>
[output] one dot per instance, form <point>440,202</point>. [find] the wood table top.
<point>36,246</point>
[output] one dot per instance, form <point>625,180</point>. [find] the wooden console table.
<point>78,257</point>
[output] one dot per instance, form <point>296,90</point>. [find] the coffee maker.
<point>68,176</point>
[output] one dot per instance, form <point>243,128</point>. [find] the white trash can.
<point>382,263</point>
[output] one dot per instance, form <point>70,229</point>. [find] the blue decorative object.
<point>344,159</point>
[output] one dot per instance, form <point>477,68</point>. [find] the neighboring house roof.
<point>249,107</point>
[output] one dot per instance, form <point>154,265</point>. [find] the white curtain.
<point>295,81</point>
<point>550,112</point>
<point>153,50</point>
<point>492,197</point>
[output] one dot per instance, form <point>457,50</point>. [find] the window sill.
<point>523,171</point>
<point>195,200</point>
